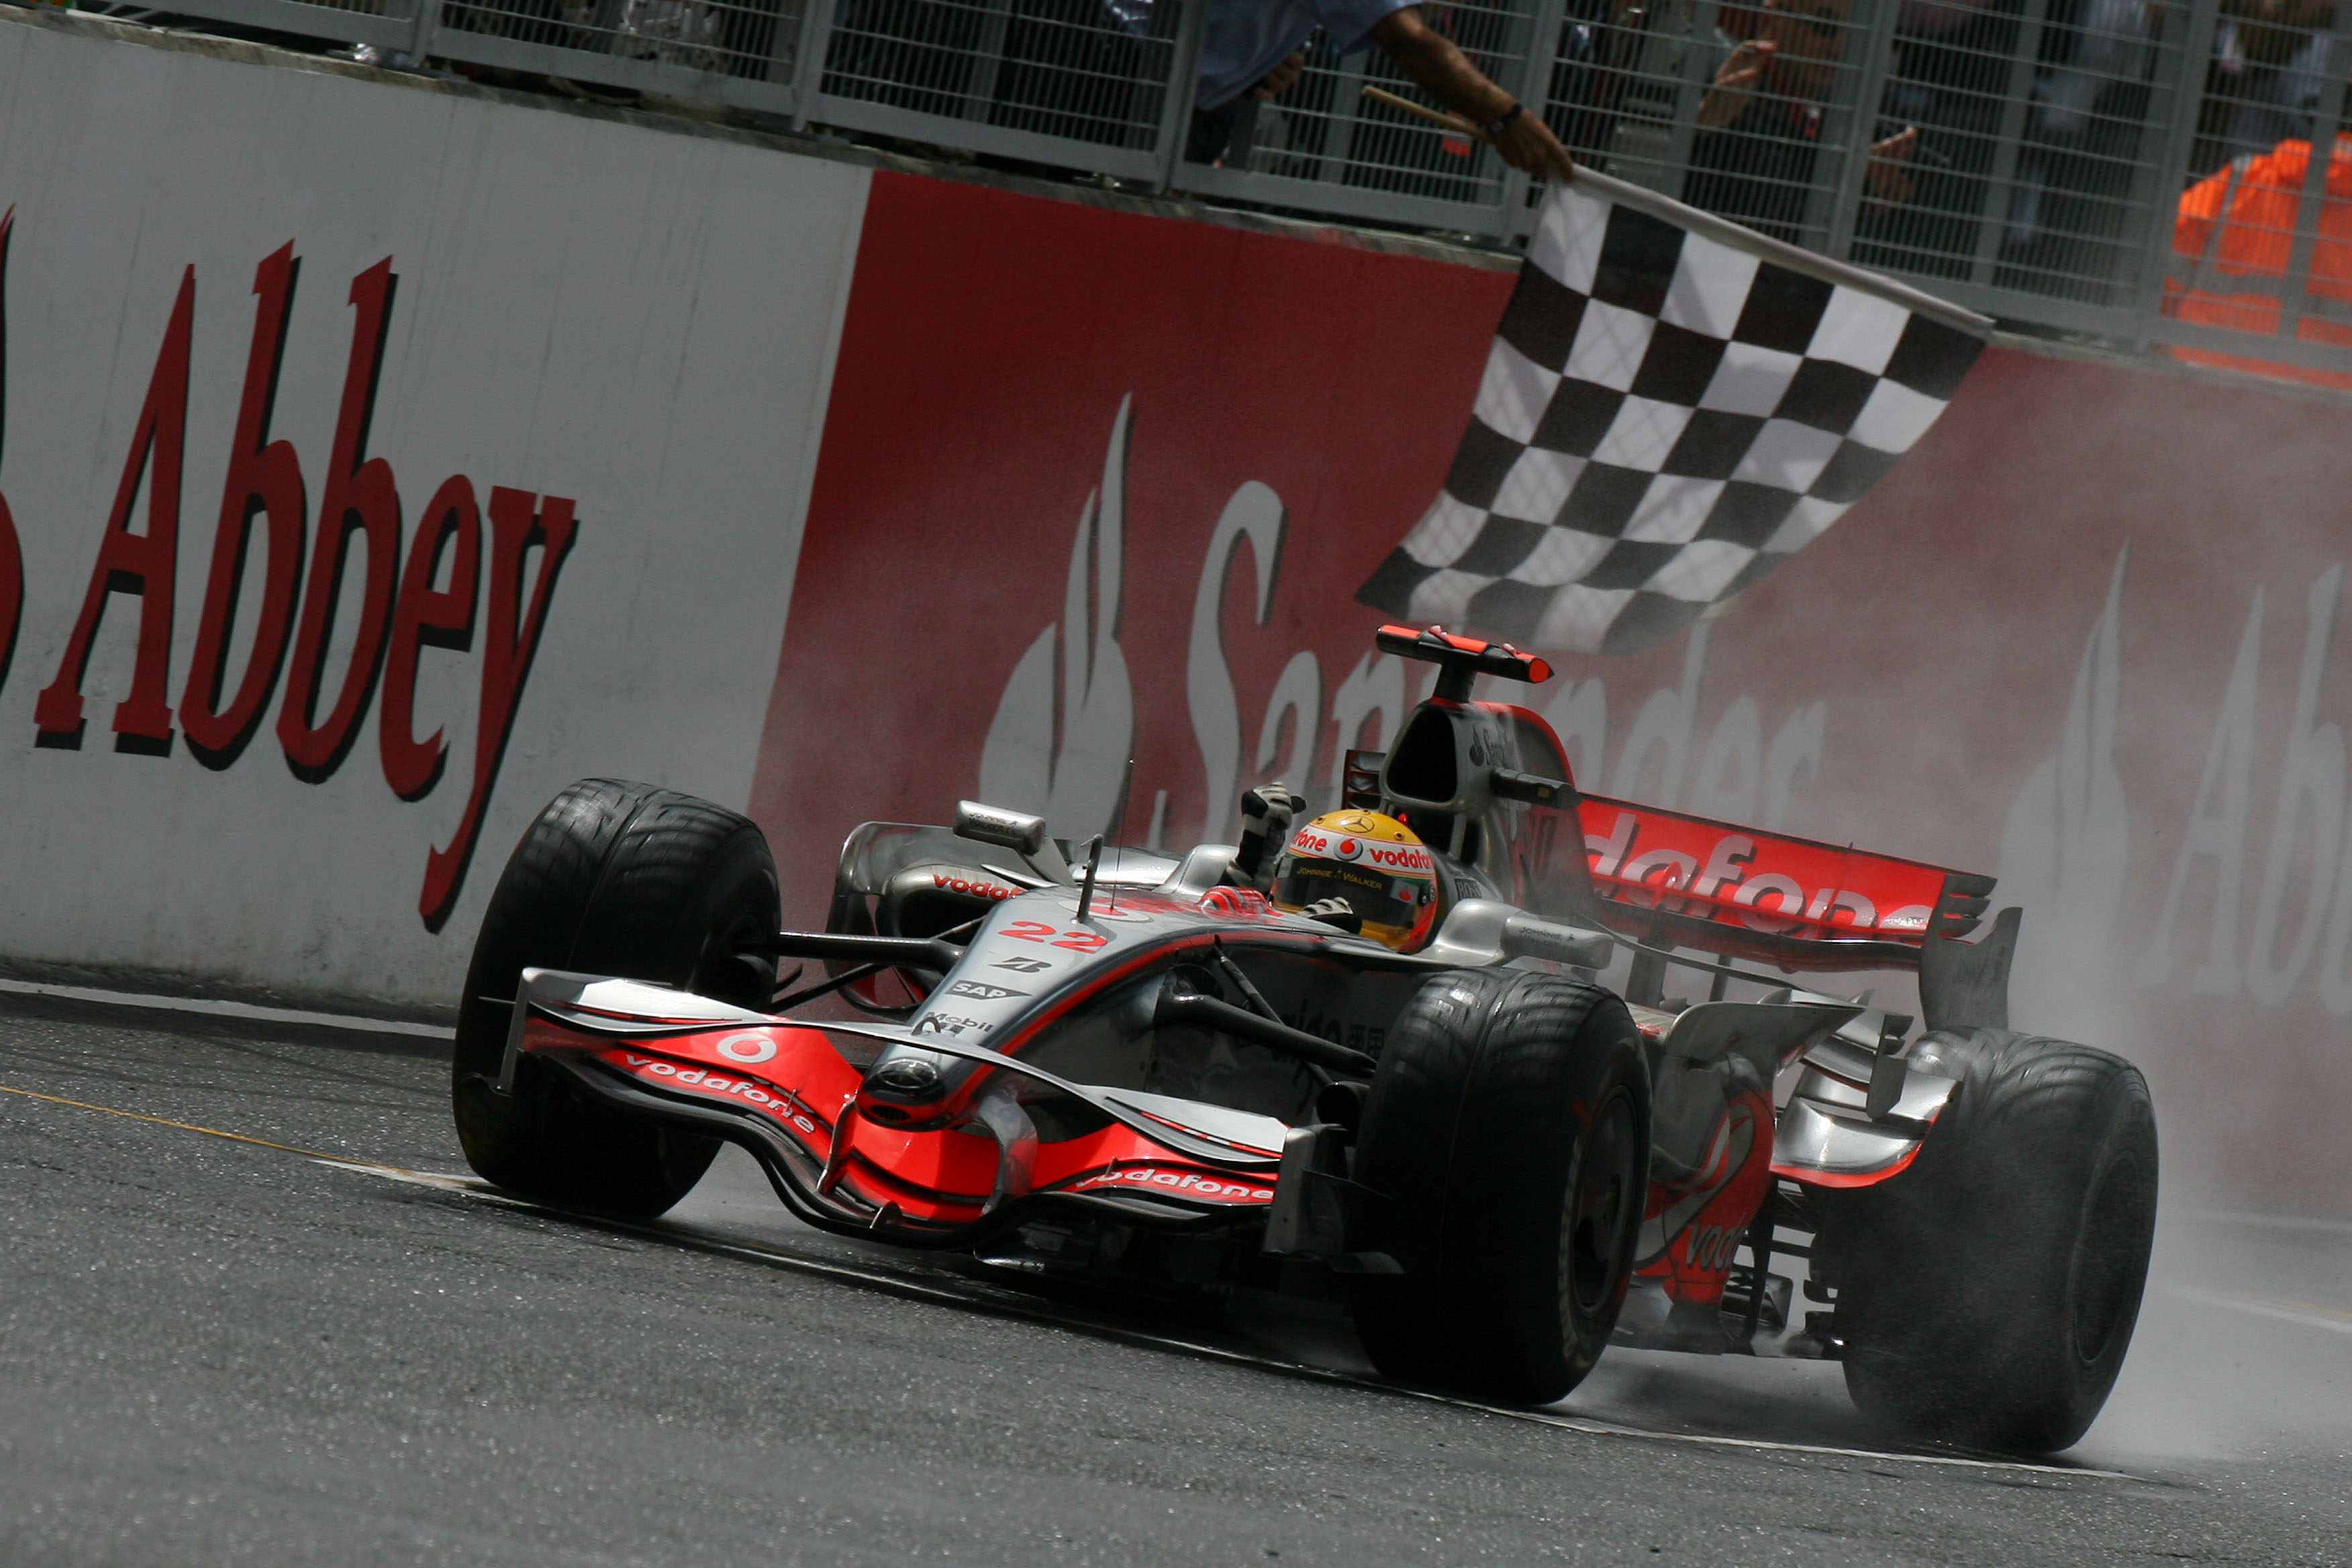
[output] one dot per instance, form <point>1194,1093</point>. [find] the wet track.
<point>217,1350</point>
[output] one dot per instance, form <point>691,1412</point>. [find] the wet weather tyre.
<point>613,878</point>
<point>1507,1136</point>
<point>1988,1293</point>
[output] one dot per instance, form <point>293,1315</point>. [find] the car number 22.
<point>1076,941</point>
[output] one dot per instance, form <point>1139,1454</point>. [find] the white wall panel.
<point>640,322</point>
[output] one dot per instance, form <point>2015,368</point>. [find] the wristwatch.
<point>1503,122</point>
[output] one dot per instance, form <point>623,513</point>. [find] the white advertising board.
<point>514,411</point>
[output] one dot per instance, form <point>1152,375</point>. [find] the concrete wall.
<point>626,336</point>
<point>1042,483</point>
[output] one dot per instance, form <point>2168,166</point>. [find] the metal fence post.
<point>2001,181</point>
<point>808,60</point>
<point>424,24</point>
<point>2187,103</point>
<point>1854,161</point>
<point>1533,90</point>
<point>2328,116</point>
<point>1701,20</point>
<point>1183,77</point>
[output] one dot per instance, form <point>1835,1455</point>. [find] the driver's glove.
<point>1267,812</point>
<point>1337,912</point>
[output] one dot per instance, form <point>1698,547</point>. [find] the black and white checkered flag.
<point>1674,405</point>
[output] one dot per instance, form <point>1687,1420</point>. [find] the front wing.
<point>786,1091</point>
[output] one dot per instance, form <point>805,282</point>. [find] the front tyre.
<point>1507,1137</point>
<point>1988,1293</point>
<point>622,879</point>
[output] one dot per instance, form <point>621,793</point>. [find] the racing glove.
<point>1267,812</point>
<point>1335,912</point>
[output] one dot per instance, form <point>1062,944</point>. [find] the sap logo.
<point>980,992</point>
<point>1023,965</point>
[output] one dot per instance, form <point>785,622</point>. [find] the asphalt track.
<point>252,1312</point>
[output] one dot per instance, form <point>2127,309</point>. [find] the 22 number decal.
<point>1076,941</point>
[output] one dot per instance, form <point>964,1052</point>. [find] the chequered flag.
<point>1673,406</point>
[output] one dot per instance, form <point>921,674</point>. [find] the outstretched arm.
<point>1444,72</point>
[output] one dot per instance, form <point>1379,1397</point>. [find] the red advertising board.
<point>1098,484</point>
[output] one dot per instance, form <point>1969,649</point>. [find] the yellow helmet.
<point>1372,863</point>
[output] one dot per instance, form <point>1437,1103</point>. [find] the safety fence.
<point>2134,170</point>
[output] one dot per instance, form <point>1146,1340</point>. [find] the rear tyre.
<point>1987,1294</point>
<point>1508,1132</point>
<point>622,880</point>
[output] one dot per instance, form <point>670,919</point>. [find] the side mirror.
<point>1480,932</point>
<point>1013,830</point>
<point>1206,866</point>
<point>993,825</point>
<point>1530,936</point>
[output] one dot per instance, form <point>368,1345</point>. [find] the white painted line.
<point>432,1179</point>
<point>1608,1429</point>
<point>248,1011</point>
<point>900,1286</point>
<point>2302,1312</point>
<point>2274,1221</point>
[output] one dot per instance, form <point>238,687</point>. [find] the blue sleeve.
<point>1349,22</point>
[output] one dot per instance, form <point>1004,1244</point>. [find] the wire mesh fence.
<point>1081,69</point>
<point>1082,83</point>
<point>374,23</point>
<point>2261,253</point>
<point>732,51</point>
<point>2141,170</point>
<point>1325,133</point>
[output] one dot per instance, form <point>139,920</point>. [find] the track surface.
<point>216,1351</point>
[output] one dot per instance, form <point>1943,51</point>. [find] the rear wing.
<point>1670,879</point>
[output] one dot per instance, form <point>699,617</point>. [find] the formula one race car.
<point>1367,1059</point>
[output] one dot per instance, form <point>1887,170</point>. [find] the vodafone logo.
<point>975,889</point>
<point>1355,849</point>
<point>746,1047</point>
<point>1190,1182</point>
<point>774,1100</point>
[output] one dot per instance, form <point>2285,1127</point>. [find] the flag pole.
<point>1452,122</point>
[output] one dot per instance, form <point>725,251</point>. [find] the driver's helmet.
<point>1372,863</point>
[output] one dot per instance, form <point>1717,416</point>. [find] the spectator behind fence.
<point>2269,64</point>
<point>1258,46</point>
<point>2236,226</point>
<point>1760,123</point>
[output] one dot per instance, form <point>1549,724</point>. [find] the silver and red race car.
<point>1088,1063</point>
